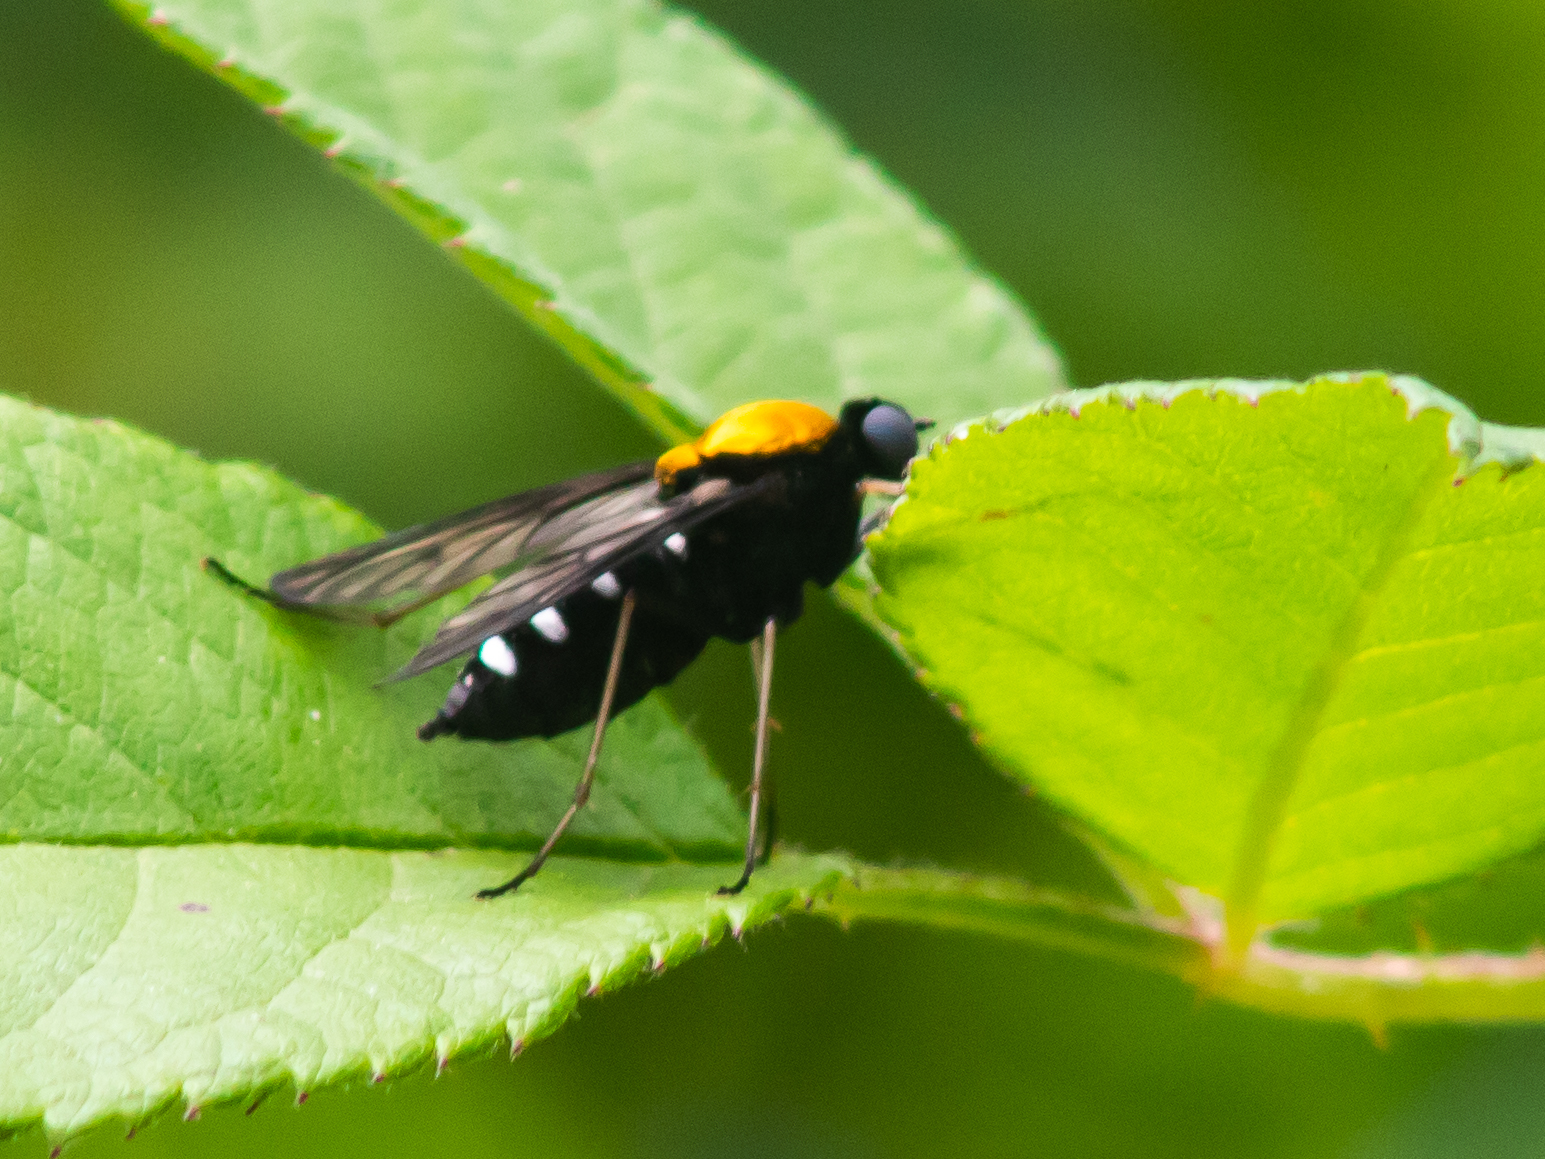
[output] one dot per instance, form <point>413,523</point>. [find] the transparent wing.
<point>434,558</point>
<point>573,548</point>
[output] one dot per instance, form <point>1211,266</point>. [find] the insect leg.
<point>759,761</point>
<point>768,828</point>
<point>582,790</point>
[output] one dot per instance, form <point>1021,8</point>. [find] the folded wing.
<point>434,558</point>
<point>573,549</point>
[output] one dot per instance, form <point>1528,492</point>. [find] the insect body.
<point>621,577</point>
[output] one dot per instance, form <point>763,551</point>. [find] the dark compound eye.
<point>891,435</point>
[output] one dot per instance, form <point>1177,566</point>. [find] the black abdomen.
<point>545,677</point>
<point>725,578</point>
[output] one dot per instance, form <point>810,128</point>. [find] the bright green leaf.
<point>150,702</point>
<point>152,705</point>
<point>138,979</point>
<point>1254,633</point>
<point>666,209</point>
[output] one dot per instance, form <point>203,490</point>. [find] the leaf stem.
<point>1374,990</point>
<point>1011,909</point>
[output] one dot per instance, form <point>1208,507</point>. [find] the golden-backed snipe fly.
<point>616,580</point>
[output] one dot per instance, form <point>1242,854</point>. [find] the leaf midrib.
<point>1268,803</point>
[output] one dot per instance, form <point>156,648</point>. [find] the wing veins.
<point>593,549</point>
<point>437,557</point>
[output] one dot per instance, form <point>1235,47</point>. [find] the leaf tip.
<point>192,1113</point>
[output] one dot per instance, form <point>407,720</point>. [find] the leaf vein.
<point>1389,784</point>
<point>1269,802</point>
<point>112,747</point>
<point>1378,650</point>
<point>1426,705</point>
<point>107,944</point>
<point>1438,548</point>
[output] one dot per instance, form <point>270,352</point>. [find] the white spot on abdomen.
<point>497,656</point>
<point>677,545</point>
<point>606,586</point>
<point>550,623</point>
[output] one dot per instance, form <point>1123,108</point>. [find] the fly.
<point>615,581</point>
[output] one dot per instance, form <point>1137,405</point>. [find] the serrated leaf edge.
<point>730,916</point>
<point>1475,444</point>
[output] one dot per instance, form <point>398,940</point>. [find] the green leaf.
<point>1253,633</point>
<point>153,705</point>
<point>671,213</point>
<point>151,702</point>
<point>139,979</point>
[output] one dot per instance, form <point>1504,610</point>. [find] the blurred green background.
<point>1176,189</point>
